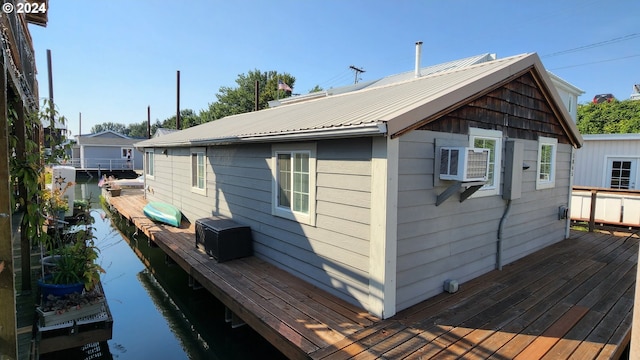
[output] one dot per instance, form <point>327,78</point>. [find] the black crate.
<point>223,239</point>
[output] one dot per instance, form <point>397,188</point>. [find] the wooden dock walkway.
<point>573,299</point>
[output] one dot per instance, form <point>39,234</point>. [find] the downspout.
<point>507,210</point>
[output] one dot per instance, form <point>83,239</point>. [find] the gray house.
<point>349,193</point>
<point>107,150</point>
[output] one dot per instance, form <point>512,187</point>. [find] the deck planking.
<point>573,299</point>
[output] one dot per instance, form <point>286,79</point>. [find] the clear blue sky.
<point>112,59</point>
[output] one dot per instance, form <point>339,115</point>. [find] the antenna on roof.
<point>357,71</point>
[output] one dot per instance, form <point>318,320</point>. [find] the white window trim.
<point>310,148</point>
<point>195,151</point>
<point>551,183</point>
<point>123,152</point>
<point>489,190</point>
<point>633,181</point>
<point>153,160</point>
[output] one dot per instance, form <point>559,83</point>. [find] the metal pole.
<point>178,102</point>
<point>149,122</point>
<point>257,95</point>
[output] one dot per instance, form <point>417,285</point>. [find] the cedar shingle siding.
<point>518,108</point>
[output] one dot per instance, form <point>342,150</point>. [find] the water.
<point>156,314</point>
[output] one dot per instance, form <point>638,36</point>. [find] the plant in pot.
<point>72,262</point>
<point>55,204</point>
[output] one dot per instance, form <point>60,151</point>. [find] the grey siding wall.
<point>333,254</point>
<point>109,157</point>
<point>591,160</point>
<point>459,240</point>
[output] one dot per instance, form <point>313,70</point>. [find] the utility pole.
<point>357,72</point>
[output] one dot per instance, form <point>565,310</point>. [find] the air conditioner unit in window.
<point>464,163</point>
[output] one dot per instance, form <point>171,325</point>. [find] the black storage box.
<point>222,238</point>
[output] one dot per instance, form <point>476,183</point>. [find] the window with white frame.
<point>546,173</point>
<point>126,153</point>
<point>294,176</point>
<point>198,170</point>
<point>149,163</point>
<point>492,140</point>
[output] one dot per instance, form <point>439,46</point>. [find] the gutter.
<point>363,130</point>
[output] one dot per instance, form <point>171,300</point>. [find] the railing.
<point>605,206</point>
<point>22,60</point>
<point>101,164</point>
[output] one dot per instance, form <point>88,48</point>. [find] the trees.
<point>616,117</point>
<point>230,101</point>
<point>241,99</point>
<point>117,127</point>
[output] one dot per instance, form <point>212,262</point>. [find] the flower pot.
<point>58,289</point>
<point>115,192</point>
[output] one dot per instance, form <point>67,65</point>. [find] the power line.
<point>590,46</point>
<point>595,62</point>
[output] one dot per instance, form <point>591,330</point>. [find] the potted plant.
<point>69,286</point>
<point>54,203</point>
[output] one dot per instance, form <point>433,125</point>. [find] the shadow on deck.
<point>571,299</point>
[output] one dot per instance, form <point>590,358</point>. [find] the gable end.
<point>518,108</point>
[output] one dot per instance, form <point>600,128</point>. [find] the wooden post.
<point>21,155</point>
<point>8,338</point>
<point>256,95</point>
<point>178,125</point>
<point>149,122</point>
<point>592,213</point>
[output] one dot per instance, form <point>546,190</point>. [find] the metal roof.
<point>382,110</point>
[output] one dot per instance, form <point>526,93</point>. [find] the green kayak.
<point>163,212</point>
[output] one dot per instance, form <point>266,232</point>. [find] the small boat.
<point>163,212</point>
<point>137,183</point>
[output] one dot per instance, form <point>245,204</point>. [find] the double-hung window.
<point>198,170</point>
<point>294,182</point>
<point>492,140</point>
<point>149,163</point>
<point>546,173</point>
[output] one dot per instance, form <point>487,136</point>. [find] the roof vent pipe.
<point>418,55</point>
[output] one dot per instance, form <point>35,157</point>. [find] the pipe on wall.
<point>507,210</point>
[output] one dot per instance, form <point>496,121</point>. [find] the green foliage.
<point>76,255</point>
<point>188,118</point>
<point>315,89</point>
<point>116,127</point>
<point>230,101</point>
<point>26,166</point>
<point>241,99</point>
<point>616,117</point>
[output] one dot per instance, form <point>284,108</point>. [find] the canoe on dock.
<point>163,212</point>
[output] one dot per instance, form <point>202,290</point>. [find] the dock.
<point>571,299</point>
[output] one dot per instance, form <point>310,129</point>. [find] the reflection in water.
<point>157,315</point>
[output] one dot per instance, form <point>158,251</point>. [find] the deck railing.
<point>102,164</point>
<point>605,206</point>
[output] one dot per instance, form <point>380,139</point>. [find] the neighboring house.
<point>345,192</point>
<point>568,92</point>
<point>609,161</point>
<point>107,150</point>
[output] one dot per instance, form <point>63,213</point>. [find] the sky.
<point>113,59</point>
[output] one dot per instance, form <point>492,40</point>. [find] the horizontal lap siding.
<point>459,240</point>
<point>333,255</point>
<point>590,163</point>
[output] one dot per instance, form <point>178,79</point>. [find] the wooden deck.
<point>570,300</point>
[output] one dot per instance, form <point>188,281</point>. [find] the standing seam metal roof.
<point>364,110</point>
